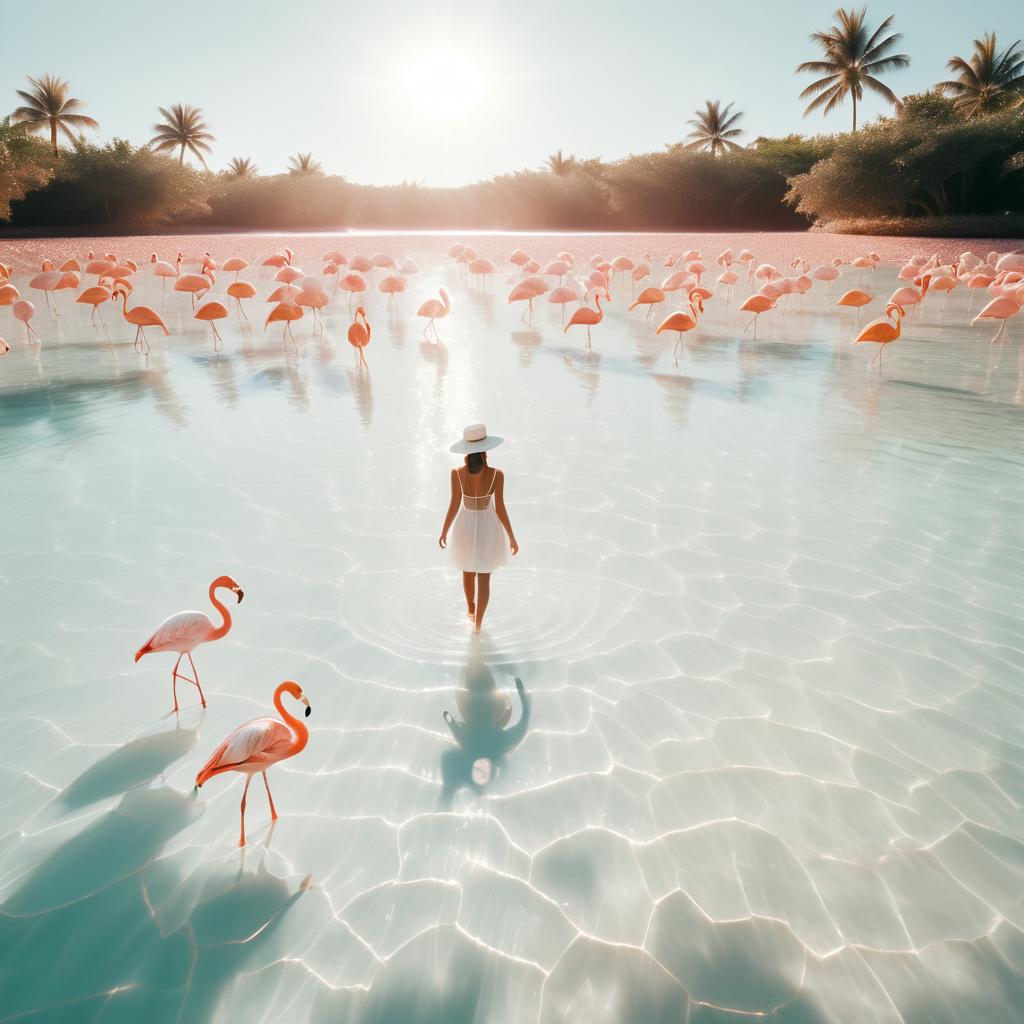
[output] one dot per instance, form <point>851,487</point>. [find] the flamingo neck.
<point>225,625</point>
<point>597,301</point>
<point>297,725</point>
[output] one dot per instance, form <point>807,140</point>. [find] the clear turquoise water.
<point>767,613</point>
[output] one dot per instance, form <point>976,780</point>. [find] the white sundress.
<point>478,540</point>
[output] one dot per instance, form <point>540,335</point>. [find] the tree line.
<point>955,150</point>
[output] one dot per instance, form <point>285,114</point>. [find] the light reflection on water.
<point>766,612</point>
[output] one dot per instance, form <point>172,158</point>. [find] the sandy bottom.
<point>767,615</point>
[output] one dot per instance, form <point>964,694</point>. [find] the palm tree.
<point>562,166</point>
<point>241,167</point>
<point>182,128</point>
<point>854,55</point>
<point>988,78</point>
<point>303,163</point>
<point>714,129</point>
<point>48,107</point>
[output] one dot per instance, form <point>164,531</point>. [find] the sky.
<point>447,92</point>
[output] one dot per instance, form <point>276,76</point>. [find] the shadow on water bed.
<point>137,762</point>
<point>100,929</point>
<point>483,738</point>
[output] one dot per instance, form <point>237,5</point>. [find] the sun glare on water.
<point>444,84</point>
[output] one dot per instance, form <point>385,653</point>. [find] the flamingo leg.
<point>174,681</point>
<point>273,809</point>
<point>588,336</point>
<point>195,679</point>
<point>241,837</point>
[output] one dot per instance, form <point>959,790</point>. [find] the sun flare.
<point>444,84</point>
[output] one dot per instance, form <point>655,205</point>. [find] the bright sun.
<point>444,84</point>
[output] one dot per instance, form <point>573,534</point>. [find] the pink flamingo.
<point>392,286</point>
<point>909,295</point>
<point>728,278</point>
<point>197,285</point>
<point>562,295</point>
<point>285,293</point>
<point>164,270</point>
<point>680,322</point>
<point>239,290</point>
<point>23,310</point>
<point>184,632</point>
<point>587,316</point>
<point>289,275</point>
<point>481,268</point>
<point>434,310</point>
<point>254,746</point>
<point>234,265</point>
<point>46,281</point>
<point>855,298</point>
<point>359,335</point>
<point>649,297</point>
<point>352,283</point>
<point>526,291</point>
<point>94,296</point>
<point>141,316</point>
<point>313,296</point>
<point>211,311</point>
<point>287,312</point>
<point>756,304</point>
<point>1001,308</point>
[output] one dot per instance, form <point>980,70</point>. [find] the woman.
<point>477,543</point>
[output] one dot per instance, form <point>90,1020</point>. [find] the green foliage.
<point>114,184</point>
<point>714,129</point>
<point>928,106</point>
<point>304,163</point>
<point>25,164</point>
<point>918,166</point>
<point>853,56</point>
<point>47,107</point>
<point>241,167</point>
<point>990,80</point>
<point>182,129</point>
<point>559,164</point>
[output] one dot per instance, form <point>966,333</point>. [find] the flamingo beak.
<point>240,593</point>
<point>309,710</point>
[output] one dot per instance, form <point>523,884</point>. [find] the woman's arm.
<point>499,508</point>
<point>453,507</point>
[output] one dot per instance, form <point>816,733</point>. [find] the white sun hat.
<point>475,439</point>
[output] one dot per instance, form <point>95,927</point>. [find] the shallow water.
<point>767,614</point>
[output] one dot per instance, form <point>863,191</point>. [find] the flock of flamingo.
<point>295,292</point>
<point>255,746</point>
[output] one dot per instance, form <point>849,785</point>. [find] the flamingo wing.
<point>254,740</point>
<point>189,628</point>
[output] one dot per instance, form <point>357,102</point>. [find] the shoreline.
<point>969,228</point>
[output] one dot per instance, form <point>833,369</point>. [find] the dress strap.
<point>494,476</point>
<point>458,476</point>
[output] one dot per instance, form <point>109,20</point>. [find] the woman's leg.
<point>469,589</point>
<point>483,594</point>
